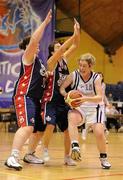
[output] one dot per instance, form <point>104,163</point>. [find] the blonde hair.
<point>87,57</point>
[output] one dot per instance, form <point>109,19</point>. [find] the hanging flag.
<point>19,19</point>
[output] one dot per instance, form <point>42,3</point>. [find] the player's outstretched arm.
<point>74,39</point>
<point>75,43</point>
<point>33,47</point>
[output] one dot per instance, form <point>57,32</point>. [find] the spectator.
<point>110,97</point>
<point>111,110</point>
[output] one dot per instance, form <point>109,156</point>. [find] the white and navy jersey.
<point>86,87</point>
<point>31,81</point>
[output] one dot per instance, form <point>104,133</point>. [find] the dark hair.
<point>23,44</point>
<point>51,47</point>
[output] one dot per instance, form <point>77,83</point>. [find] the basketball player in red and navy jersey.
<point>28,92</point>
<point>54,108</point>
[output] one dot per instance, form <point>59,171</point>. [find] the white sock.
<point>15,153</point>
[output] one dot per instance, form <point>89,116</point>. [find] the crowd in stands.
<point>115,91</point>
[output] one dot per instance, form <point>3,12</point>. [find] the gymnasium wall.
<point>113,72</point>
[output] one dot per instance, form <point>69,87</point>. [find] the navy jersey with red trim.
<point>31,81</point>
<point>61,72</point>
<point>52,92</point>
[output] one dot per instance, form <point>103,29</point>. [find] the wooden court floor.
<point>88,169</point>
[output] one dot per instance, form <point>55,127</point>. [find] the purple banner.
<point>17,20</point>
<point>9,72</point>
<point>41,8</point>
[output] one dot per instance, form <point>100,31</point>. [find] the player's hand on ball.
<point>73,98</point>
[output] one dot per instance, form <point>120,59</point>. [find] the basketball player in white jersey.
<point>88,108</point>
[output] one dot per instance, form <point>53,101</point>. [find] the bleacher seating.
<point>116,90</point>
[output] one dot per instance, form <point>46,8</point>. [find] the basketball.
<point>72,97</point>
<point>73,94</point>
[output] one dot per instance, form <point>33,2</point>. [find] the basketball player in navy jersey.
<point>88,108</point>
<point>53,105</point>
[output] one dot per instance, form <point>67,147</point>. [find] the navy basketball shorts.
<point>28,112</point>
<point>57,114</point>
